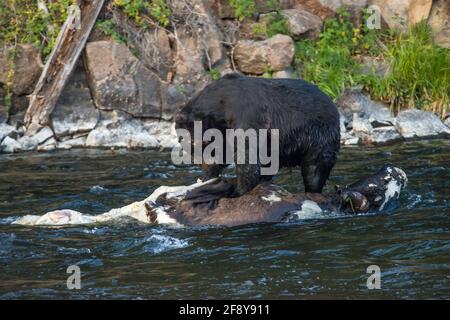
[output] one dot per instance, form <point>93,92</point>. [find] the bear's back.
<point>251,102</point>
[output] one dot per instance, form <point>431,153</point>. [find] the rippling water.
<point>324,258</point>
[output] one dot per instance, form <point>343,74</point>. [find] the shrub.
<point>21,21</point>
<point>243,8</point>
<point>419,70</point>
<point>157,9</point>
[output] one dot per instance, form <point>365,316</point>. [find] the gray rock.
<point>283,74</point>
<point>10,145</point>
<point>257,57</point>
<point>43,135</point>
<point>164,132</point>
<point>349,139</point>
<point>399,14</point>
<point>320,9</point>
<point>302,23</point>
<point>354,101</point>
<point>336,4</point>
<point>447,121</point>
<point>48,145</point>
<point>416,123</point>
<point>74,112</point>
<point>30,142</point>
<point>361,125</point>
<point>384,135</point>
<point>5,130</point>
<point>119,81</point>
<point>78,142</point>
<point>121,134</point>
<point>199,45</point>
<point>439,22</point>
<point>342,120</point>
<point>152,44</point>
<point>27,68</point>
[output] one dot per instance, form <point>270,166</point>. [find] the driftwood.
<point>69,45</point>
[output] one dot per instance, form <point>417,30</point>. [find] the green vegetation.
<point>420,74</point>
<point>137,9</point>
<point>419,71</point>
<point>271,24</point>
<point>214,73</point>
<point>243,8</point>
<point>22,21</point>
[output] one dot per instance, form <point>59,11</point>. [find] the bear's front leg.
<point>316,172</point>
<point>248,177</point>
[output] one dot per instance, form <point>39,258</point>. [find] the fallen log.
<point>62,60</point>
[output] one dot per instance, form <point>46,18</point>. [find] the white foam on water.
<point>158,243</point>
<point>97,189</point>
<point>8,220</point>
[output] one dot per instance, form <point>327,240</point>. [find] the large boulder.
<point>27,68</point>
<point>439,21</point>
<point>10,145</point>
<point>78,142</point>
<point>119,81</point>
<point>164,132</point>
<point>399,14</point>
<point>30,141</point>
<point>199,44</point>
<point>302,23</point>
<point>369,134</point>
<point>152,44</point>
<point>354,101</point>
<point>257,57</point>
<point>384,135</point>
<point>416,123</point>
<point>5,130</point>
<point>75,111</point>
<point>336,4</point>
<point>322,10</point>
<point>119,129</point>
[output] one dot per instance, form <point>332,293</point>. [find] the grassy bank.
<point>419,71</point>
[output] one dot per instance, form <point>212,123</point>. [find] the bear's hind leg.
<point>315,173</point>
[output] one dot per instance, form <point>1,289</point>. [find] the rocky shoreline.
<point>363,122</point>
<point>116,98</point>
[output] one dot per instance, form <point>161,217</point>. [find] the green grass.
<point>243,8</point>
<point>419,75</point>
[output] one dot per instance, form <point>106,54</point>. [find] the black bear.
<point>307,119</point>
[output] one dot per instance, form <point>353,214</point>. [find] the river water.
<point>321,258</point>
